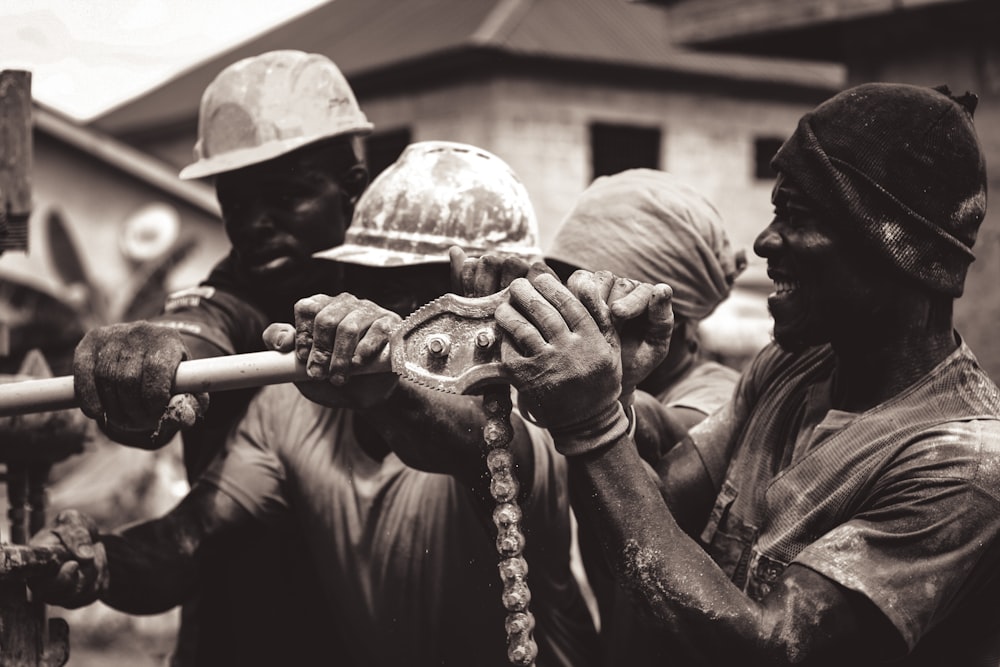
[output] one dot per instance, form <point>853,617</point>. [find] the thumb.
<point>183,411</point>
<point>279,336</point>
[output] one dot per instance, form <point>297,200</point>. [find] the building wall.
<point>96,200</point>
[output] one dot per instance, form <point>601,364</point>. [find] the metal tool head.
<point>451,344</point>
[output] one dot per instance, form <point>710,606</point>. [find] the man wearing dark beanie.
<point>844,506</point>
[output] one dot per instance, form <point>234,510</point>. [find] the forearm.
<point>152,567</point>
<point>155,565</point>
<point>670,577</point>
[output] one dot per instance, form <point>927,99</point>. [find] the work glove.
<point>123,378</point>
<point>83,578</point>
<point>565,355</point>
<point>333,336</point>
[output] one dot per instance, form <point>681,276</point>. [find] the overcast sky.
<point>87,56</point>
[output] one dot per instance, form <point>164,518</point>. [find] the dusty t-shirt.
<point>900,503</point>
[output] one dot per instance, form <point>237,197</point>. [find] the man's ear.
<point>354,181</point>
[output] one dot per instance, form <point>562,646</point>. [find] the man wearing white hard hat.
<point>279,133</point>
<point>385,478</point>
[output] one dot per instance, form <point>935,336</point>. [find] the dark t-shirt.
<point>405,561</point>
<point>253,586</point>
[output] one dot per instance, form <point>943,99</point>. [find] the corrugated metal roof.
<point>368,36</point>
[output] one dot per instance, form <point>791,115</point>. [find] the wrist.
<point>627,400</point>
<point>601,430</point>
<point>140,438</point>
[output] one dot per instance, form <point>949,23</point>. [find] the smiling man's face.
<point>826,285</point>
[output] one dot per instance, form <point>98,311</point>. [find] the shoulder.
<point>967,451</point>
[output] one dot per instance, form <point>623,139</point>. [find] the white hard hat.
<point>265,106</point>
<point>439,194</point>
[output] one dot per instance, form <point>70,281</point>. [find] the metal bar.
<point>18,561</point>
<point>238,371</point>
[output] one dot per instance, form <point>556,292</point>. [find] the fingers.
<point>511,269</point>
<point>332,334</point>
<point>486,276</point>
<point>660,315</point>
<point>305,313</point>
<point>279,336</point>
<point>521,332</point>
<point>76,532</point>
<point>621,288</point>
<point>78,581</point>
<point>593,290</point>
<point>375,339</point>
<point>537,269</point>
<point>482,276</point>
<point>637,301</point>
<point>456,258</point>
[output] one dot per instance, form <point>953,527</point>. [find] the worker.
<point>280,135</point>
<point>406,555</point>
<point>651,226</point>
<point>842,508</point>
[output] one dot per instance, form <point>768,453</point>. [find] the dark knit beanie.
<point>902,165</point>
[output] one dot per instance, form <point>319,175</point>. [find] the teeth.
<point>783,287</point>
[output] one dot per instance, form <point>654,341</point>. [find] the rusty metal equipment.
<point>28,446</point>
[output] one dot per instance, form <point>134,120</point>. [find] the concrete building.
<point>924,42</point>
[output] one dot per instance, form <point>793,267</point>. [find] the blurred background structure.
<point>563,90</point>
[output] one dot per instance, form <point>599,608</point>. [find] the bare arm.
<point>146,568</point>
<point>806,619</point>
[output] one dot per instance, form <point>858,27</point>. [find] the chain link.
<point>497,434</point>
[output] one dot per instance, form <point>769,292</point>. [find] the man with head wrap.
<point>648,225</point>
<point>843,507</point>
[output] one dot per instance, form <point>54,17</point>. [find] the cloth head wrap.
<point>648,225</point>
<point>902,166</point>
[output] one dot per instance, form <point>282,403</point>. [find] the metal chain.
<point>498,433</point>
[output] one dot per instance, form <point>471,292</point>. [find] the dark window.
<point>764,149</point>
<point>382,148</point>
<point>615,148</point>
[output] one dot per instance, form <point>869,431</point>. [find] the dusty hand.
<point>642,317</point>
<point>79,581</point>
<point>332,336</point>
<point>482,276</point>
<point>565,361</point>
<point>123,378</point>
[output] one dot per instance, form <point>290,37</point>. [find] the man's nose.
<point>767,242</point>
